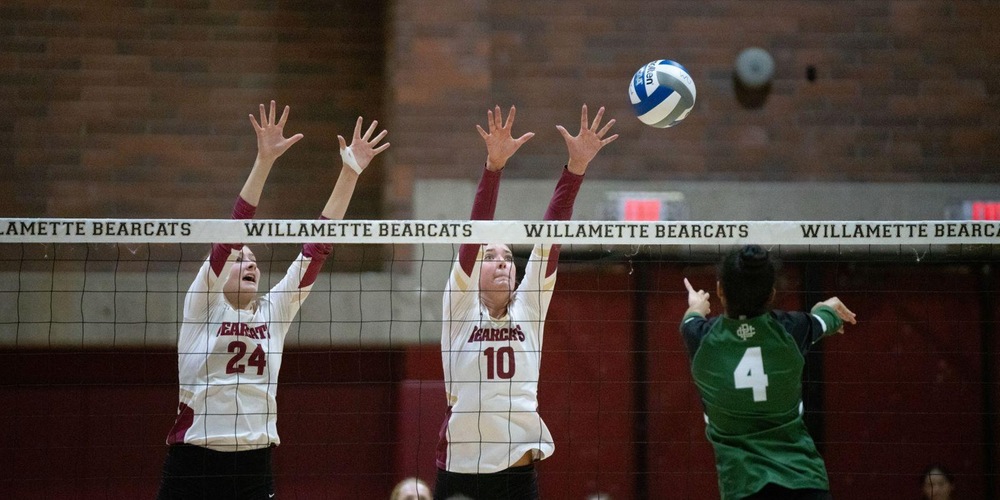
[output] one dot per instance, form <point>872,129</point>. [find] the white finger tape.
<point>348,156</point>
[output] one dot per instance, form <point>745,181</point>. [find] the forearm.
<point>242,209</point>
<point>335,209</point>
<point>828,317</point>
<point>254,184</point>
<point>340,198</point>
<point>561,208</point>
<point>694,311</point>
<point>564,196</point>
<point>484,207</point>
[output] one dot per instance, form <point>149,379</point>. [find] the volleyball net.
<point>90,311</point>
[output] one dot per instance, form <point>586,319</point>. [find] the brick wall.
<point>139,109</point>
<point>904,91</point>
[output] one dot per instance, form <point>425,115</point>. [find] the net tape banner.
<point>26,230</point>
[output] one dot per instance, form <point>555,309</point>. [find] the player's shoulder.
<point>695,327</point>
<point>699,320</point>
<point>783,316</point>
<point>791,321</point>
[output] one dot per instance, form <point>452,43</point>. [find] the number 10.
<point>499,361</point>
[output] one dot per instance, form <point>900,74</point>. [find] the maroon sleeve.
<point>220,251</point>
<point>484,207</point>
<point>561,208</point>
<point>318,252</point>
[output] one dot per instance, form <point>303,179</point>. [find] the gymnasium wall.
<point>126,109</point>
<point>140,109</point>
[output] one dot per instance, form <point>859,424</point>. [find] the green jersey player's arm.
<point>831,323</point>
<point>825,318</point>
<point>694,327</point>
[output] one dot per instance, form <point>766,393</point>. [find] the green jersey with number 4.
<point>749,374</point>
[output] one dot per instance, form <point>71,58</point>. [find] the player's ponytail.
<point>747,276</point>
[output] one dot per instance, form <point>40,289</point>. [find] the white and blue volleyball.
<point>662,93</point>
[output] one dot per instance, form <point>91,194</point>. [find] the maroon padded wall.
<point>92,425</point>
<point>907,386</point>
<point>586,389</point>
<point>904,387</point>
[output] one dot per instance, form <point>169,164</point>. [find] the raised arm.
<point>694,325</point>
<point>271,143</point>
<point>582,149</point>
<point>356,159</point>
<point>837,310</point>
<point>363,148</point>
<point>825,318</point>
<point>584,146</point>
<point>500,146</point>
<point>697,301</point>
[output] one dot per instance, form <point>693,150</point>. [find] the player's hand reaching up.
<point>697,300</point>
<point>500,143</point>
<point>842,311</point>
<point>584,146</point>
<point>271,142</point>
<point>363,147</point>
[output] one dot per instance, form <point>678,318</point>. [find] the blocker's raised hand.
<point>363,147</point>
<point>500,143</point>
<point>271,142</point>
<point>584,146</point>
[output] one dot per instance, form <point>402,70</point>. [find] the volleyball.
<point>662,93</point>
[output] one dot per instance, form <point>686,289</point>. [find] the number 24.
<point>258,358</point>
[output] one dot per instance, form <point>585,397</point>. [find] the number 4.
<point>749,374</point>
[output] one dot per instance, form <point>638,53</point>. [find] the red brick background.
<point>139,109</point>
<point>132,109</point>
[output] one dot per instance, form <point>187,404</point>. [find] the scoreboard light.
<point>985,210</point>
<point>645,206</point>
<point>975,210</point>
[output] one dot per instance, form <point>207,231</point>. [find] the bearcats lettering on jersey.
<point>243,330</point>
<point>496,334</point>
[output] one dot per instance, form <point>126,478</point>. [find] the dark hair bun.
<point>753,257</point>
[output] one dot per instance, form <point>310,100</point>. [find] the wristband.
<point>348,156</point>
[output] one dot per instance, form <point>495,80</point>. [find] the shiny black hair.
<point>747,276</point>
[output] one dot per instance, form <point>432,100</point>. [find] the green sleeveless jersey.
<point>749,374</point>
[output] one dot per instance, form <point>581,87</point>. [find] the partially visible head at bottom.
<point>937,483</point>
<point>411,488</point>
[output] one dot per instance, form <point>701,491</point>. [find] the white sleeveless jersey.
<point>491,371</point>
<point>228,362</point>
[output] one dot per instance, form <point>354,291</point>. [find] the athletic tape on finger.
<point>348,156</point>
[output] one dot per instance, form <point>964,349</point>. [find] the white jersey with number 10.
<point>491,371</point>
